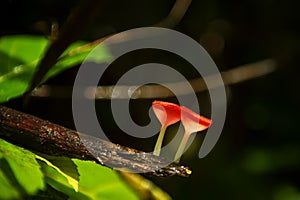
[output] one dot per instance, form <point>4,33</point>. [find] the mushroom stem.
<point>181,147</point>
<point>159,141</point>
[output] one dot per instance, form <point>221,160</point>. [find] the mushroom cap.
<point>167,113</point>
<point>193,122</point>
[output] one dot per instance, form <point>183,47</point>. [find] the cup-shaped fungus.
<point>167,114</point>
<point>192,123</point>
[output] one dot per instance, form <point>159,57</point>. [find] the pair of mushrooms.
<point>170,113</point>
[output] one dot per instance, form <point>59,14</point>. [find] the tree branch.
<point>48,138</point>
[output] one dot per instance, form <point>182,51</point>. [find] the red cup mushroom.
<point>192,123</point>
<point>167,114</point>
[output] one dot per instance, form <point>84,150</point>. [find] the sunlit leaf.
<point>20,169</point>
<point>72,181</point>
<point>100,182</point>
<point>59,182</point>
<point>96,182</point>
<point>66,165</point>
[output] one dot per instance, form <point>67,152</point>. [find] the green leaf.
<point>59,182</point>
<point>96,182</point>
<point>76,54</point>
<point>23,48</point>
<point>66,165</point>
<point>7,189</point>
<point>72,181</point>
<point>20,173</point>
<point>48,194</point>
<point>19,56</point>
<point>100,182</point>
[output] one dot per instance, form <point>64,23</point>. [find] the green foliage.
<point>93,181</point>
<point>111,187</point>
<point>19,56</point>
<point>20,173</point>
<point>64,163</point>
<point>24,174</point>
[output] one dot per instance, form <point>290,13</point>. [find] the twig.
<point>233,76</point>
<point>48,138</point>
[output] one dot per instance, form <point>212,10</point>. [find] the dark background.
<point>258,154</point>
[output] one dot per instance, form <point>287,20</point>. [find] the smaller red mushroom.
<point>192,123</point>
<point>167,114</point>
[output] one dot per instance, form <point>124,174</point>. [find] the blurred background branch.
<point>176,14</point>
<point>79,21</point>
<point>232,76</point>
